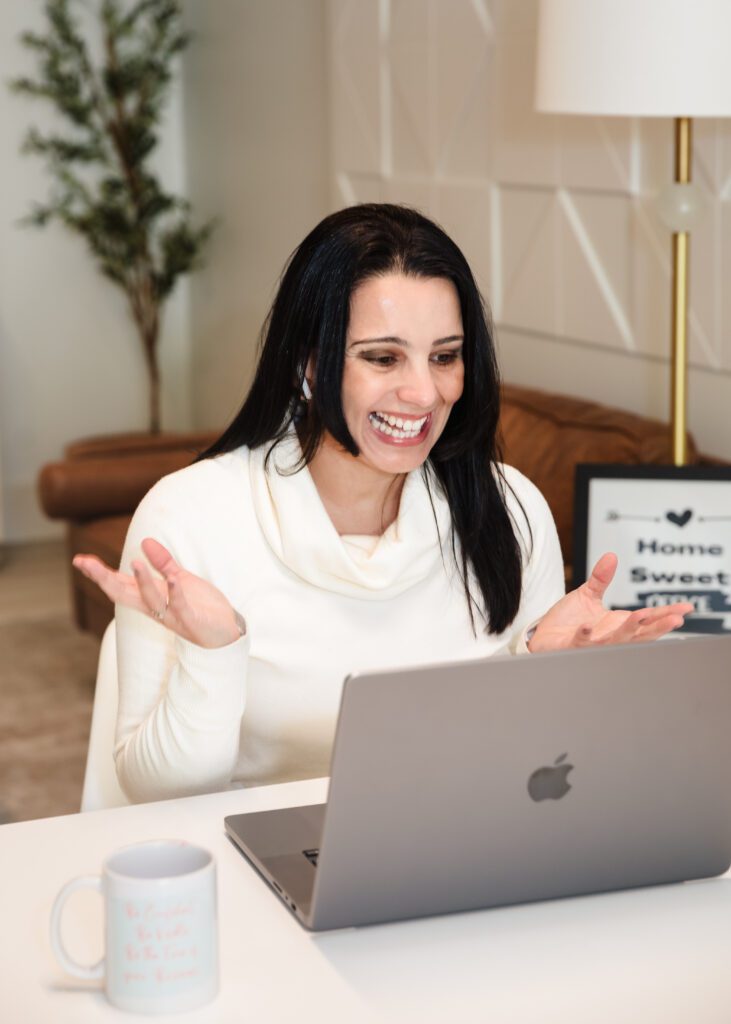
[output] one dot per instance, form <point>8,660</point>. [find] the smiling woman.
<point>355,515</point>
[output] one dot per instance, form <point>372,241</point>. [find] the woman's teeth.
<point>395,426</point>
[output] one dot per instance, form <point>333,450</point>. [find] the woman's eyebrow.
<point>392,340</point>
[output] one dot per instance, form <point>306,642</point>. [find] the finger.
<point>159,557</point>
<point>90,564</point>
<point>635,630</point>
<point>118,587</point>
<point>601,575</point>
<point>154,592</point>
<point>680,608</point>
<point>623,631</point>
<point>659,628</point>
<point>649,616</point>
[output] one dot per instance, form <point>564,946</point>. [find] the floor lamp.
<point>644,58</point>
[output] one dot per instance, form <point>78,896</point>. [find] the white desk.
<point>656,955</point>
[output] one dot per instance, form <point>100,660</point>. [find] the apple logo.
<point>549,783</point>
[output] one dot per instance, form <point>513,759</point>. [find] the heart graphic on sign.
<point>679,518</point>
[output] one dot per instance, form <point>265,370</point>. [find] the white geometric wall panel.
<point>432,105</point>
<point>354,44</point>
<point>410,117</point>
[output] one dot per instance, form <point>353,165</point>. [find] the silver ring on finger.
<point>160,615</point>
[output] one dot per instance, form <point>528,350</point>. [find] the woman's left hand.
<point>581,620</point>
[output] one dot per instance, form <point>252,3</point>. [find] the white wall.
<point>258,158</point>
<point>70,362</point>
<point>432,104</point>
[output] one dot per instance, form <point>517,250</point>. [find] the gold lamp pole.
<point>681,239</point>
<point>603,59</point>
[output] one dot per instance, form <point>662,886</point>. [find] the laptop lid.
<point>514,779</point>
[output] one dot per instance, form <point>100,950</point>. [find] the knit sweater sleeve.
<point>180,705</point>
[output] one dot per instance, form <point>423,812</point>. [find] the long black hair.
<point>310,316</point>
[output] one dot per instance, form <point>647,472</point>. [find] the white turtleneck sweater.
<point>318,606</point>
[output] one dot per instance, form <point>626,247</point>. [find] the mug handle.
<point>78,970</point>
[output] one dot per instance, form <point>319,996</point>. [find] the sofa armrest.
<point>125,446</point>
<point>80,489</point>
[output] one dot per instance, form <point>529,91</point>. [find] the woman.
<point>353,516</point>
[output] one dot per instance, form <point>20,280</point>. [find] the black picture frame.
<point>671,528</point>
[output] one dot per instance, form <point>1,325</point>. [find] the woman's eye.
<point>447,358</point>
<point>383,359</point>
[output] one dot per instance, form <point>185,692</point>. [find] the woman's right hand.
<point>184,603</point>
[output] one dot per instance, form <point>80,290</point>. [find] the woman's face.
<point>403,368</point>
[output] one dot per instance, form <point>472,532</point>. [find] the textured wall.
<point>257,158</point>
<point>432,104</point>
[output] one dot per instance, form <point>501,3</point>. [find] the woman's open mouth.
<point>400,430</point>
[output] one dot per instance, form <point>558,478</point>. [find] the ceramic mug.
<point>161,927</point>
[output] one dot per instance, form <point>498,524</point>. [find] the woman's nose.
<point>417,387</point>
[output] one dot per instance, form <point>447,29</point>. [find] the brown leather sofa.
<point>100,482</point>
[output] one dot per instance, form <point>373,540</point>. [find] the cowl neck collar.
<point>301,534</point>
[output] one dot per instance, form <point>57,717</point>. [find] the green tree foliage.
<point>103,188</point>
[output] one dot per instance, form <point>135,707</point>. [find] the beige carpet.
<point>47,674</point>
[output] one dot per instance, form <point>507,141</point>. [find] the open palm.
<point>184,603</point>
<point>580,619</point>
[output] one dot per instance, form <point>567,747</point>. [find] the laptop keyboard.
<point>312,856</point>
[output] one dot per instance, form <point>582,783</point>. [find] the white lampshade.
<point>638,58</point>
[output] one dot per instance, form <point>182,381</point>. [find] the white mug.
<point>161,927</point>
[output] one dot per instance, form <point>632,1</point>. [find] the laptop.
<point>508,780</point>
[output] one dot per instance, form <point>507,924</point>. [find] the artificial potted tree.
<point>143,238</point>
<point>103,186</point>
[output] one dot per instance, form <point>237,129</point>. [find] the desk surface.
<point>651,955</point>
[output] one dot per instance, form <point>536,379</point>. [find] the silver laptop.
<point>507,780</point>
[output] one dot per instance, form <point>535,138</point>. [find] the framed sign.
<point>669,526</point>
